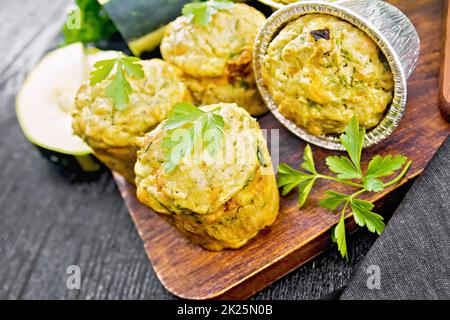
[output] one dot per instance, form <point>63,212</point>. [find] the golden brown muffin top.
<point>202,183</point>
<point>102,125</point>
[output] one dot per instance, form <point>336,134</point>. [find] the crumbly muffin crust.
<point>321,71</point>
<point>217,57</point>
<point>111,133</point>
<point>220,203</point>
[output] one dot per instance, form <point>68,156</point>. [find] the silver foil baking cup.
<point>386,25</point>
<point>278,5</point>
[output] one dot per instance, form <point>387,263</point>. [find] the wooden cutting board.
<point>297,236</point>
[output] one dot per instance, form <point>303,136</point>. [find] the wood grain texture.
<point>297,236</point>
<point>444,93</point>
<point>49,222</point>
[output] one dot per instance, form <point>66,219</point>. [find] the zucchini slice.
<point>44,103</point>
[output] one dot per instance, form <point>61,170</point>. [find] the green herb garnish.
<point>202,12</point>
<point>348,171</point>
<point>119,88</point>
<point>193,124</point>
<point>88,23</point>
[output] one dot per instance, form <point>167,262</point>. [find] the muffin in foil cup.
<point>384,24</point>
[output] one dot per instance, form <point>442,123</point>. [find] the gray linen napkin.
<point>411,259</point>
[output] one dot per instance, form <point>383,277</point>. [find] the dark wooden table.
<point>48,223</point>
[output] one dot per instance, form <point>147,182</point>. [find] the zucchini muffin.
<point>218,56</point>
<point>112,133</point>
<point>321,71</point>
<point>217,203</point>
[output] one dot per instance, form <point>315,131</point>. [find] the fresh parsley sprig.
<point>202,12</point>
<point>195,124</point>
<point>119,88</point>
<point>348,171</point>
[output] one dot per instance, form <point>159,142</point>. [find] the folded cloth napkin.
<point>411,259</point>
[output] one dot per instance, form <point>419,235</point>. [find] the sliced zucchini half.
<point>44,104</point>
